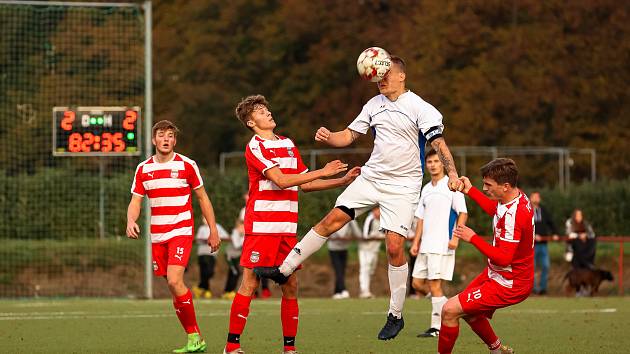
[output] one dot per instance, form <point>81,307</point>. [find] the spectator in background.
<point>338,244</point>
<point>233,255</point>
<point>369,247</point>
<point>206,259</point>
<point>544,227</point>
<point>581,240</point>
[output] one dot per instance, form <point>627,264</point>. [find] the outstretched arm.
<point>336,139</point>
<point>283,180</point>
<point>323,184</point>
<point>439,145</point>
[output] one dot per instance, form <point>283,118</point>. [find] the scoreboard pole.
<point>148,145</point>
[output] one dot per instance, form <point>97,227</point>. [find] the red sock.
<point>185,311</point>
<point>238,319</point>
<point>289,313</point>
<point>448,336</point>
<point>482,327</point>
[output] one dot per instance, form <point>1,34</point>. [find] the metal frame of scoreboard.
<point>101,131</point>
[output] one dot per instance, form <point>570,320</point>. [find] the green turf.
<point>539,325</point>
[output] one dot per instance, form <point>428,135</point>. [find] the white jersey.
<point>438,209</point>
<point>401,129</point>
<point>203,232</point>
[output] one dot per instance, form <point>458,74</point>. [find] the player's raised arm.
<point>336,139</point>
<point>133,212</point>
<point>284,180</point>
<point>207,210</point>
<point>444,153</point>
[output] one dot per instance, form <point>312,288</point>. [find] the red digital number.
<point>74,142</point>
<point>67,120</point>
<point>86,145</point>
<point>119,144</point>
<point>106,142</point>
<point>130,119</point>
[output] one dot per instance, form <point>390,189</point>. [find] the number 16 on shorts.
<point>475,295</point>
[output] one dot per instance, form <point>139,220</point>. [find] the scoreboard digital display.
<point>96,131</point>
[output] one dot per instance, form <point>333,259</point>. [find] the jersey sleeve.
<point>429,121</point>
<point>489,206</point>
<point>255,157</point>
<point>301,167</point>
<point>193,176</point>
<point>459,203</point>
<point>137,187</point>
<point>361,124</point>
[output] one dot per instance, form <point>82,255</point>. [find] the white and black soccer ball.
<point>373,64</point>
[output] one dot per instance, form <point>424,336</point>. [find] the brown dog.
<point>588,279</point>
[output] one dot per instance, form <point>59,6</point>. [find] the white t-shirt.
<point>438,209</point>
<point>401,129</point>
<point>203,232</point>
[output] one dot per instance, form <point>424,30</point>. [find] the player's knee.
<point>450,311</point>
<point>290,289</point>
<point>417,284</point>
<point>174,283</point>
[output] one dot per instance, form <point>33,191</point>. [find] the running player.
<point>439,210</point>
<point>402,123</point>
<point>509,277</point>
<point>168,179</point>
<point>275,170</point>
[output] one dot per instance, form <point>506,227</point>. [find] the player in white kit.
<point>402,123</point>
<point>439,211</point>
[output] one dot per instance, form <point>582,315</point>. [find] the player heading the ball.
<point>402,124</point>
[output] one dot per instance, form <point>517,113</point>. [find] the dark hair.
<point>502,170</point>
<point>429,153</point>
<point>164,125</point>
<point>247,105</point>
<point>398,61</point>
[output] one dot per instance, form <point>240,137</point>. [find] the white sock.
<point>310,243</point>
<point>398,288</point>
<point>436,311</point>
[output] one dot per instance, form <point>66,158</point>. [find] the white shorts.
<point>397,203</point>
<point>434,266</point>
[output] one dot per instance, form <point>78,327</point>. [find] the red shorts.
<point>266,251</point>
<point>483,296</point>
<point>175,251</point>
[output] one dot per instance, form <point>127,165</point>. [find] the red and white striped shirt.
<point>511,257</point>
<point>168,186</point>
<point>270,210</point>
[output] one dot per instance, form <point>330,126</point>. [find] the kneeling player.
<point>275,170</point>
<point>509,277</point>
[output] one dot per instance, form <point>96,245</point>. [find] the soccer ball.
<point>374,63</point>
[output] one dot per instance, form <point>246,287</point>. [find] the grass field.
<point>539,325</point>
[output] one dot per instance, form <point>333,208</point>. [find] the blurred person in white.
<point>439,211</point>
<point>338,244</point>
<point>206,259</point>
<point>369,248</point>
<point>233,252</point>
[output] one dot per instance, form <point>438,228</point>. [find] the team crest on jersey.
<point>254,257</point>
<point>155,266</point>
<point>174,173</point>
<point>290,152</point>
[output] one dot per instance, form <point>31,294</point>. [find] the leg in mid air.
<point>310,243</point>
<point>398,271</point>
